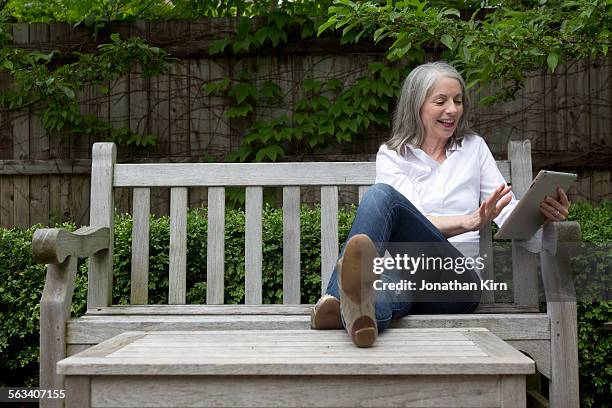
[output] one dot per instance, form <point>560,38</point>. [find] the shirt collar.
<point>454,146</point>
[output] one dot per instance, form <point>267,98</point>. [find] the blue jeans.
<point>387,217</point>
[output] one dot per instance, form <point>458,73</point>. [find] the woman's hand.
<point>555,210</point>
<point>490,208</point>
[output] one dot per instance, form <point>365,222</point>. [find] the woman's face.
<point>442,109</point>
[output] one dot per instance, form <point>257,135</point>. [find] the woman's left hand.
<point>555,210</point>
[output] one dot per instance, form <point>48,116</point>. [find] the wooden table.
<point>298,368</point>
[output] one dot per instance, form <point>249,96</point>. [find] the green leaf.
<point>332,20</point>
<point>218,46</point>
<point>451,11</point>
<point>552,61</point>
<point>270,152</point>
<point>447,40</point>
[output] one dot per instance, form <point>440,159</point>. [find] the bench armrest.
<point>560,241</point>
<point>60,249</point>
<point>54,245</point>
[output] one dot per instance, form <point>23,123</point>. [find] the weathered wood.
<point>329,233</point>
<point>215,256</point>
<point>304,352</point>
<point>513,392</point>
<point>54,312</point>
<point>486,252</point>
<point>558,238</point>
<point>54,245</point>
<point>538,350</point>
<point>253,257</point>
<point>78,392</point>
<point>524,269</point>
<point>21,201</point>
<point>243,174</point>
<point>362,191</point>
<point>100,275</point>
<point>291,245</point>
<point>506,310</point>
<point>179,108</point>
<point>45,167</point>
<point>139,289</point>
<point>178,246</point>
<point>296,391</point>
<point>93,329</point>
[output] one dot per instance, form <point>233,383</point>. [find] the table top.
<point>433,351</point>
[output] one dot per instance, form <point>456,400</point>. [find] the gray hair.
<point>407,124</point>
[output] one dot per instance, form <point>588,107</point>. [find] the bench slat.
<point>291,245</point>
<point>253,245</point>
<point>178,246</point>
<point>100,275</point>
<point>329,233</point>
<point>244,174</point>
<point>215,257</point>
<point>139,291</point>
<point>524,263</point>
<point>285,310</point>
<point>362,191</point>
<point>486,252</point>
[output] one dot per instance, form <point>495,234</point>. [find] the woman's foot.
<point>326,314</point>
<point>355,278</point>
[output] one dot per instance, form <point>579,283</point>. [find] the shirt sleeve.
<point>391,169</point>
<point>490,179</point>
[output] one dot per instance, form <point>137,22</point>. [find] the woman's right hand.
<point>490,208</point>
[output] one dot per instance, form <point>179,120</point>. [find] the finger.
<point>547,215</point>
<point>504,201</point>
<point>550,212</point>
<point>553,203</point>
<point>563,197</point>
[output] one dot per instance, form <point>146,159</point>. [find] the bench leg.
<point>564,352</point>
<point>513,391</point>
<point>78,391</point>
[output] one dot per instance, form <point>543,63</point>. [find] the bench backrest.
<point>106,175</point>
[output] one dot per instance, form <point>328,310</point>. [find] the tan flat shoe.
<point>355,278</point>
<point>325,314</point>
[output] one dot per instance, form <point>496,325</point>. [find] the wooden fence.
<point>44,177</point>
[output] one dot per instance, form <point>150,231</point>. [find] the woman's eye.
<point>458,102</point>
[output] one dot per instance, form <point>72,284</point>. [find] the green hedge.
<point>21,283</point>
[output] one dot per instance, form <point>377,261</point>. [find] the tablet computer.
<point>526,219</point>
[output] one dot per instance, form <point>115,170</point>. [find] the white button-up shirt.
<point>465,179</point>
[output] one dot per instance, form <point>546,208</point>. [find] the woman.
<point>436,183</point>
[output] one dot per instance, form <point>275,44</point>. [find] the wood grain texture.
<point>215,257</point>
<point>139,290</point>
<point>78,392</point>
<point>329,233</point>
<point>54,312</point>
<point>486,252</point>
<point>291,245</point>
<point>253,245</point>
<point>93,329</point>
<point>561,308</point>
<point>513,392</point>
<point>54,245</point>
<point>303,352</point>
<point>100,277</point>
<point>524,263</point>
<point>296,391</point>
<point>178,246</point>
<point>507,310</point>
<point>244,174</point>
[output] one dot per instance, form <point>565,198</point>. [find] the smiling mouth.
<point>447,123</point>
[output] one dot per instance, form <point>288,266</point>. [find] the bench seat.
<point>464,367</point>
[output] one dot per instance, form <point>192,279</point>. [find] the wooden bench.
<point>298,368</point>
<point>549,338</point>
